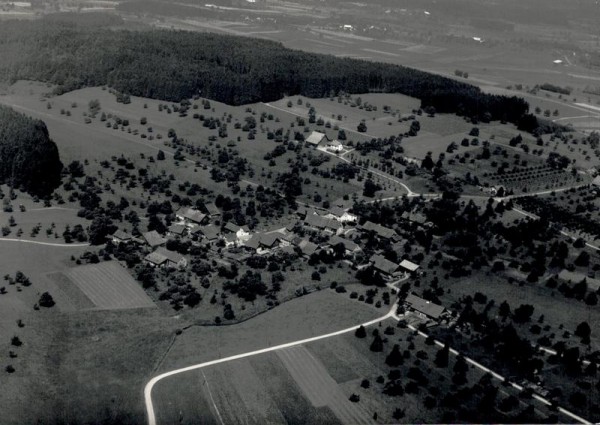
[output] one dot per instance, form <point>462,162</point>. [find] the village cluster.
<point>230,243</point>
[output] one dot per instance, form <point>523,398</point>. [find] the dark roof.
<point>269,239</point>
<point>382,231</point>
<point>161,255</point>
<point>178,229</point>
<point>320,222</point>
<point>307,247</point>
<point>348,245</point>
<point>231,227</point>
<point>426,307</point>
<point>212,209</point>
<point>210,232</point>
<point>191,215</point>
<point>337,211</point>
<point>153,238</point>
<point>121,235</point>
<point>383,264</point>
<point>253,242</point>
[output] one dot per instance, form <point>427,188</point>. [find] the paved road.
<point>501,378</point>
<point>153,381</point>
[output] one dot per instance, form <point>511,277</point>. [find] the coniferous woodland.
<point>174,65</point>
<point>28,158</point>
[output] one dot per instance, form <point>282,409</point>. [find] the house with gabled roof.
<point>211,209</point>
<point>121,236</point>
<point>154,239</point>
<point>384,266</point>
<point>342,215</point>
<point>269,240</point>
<point>316,139</point>
<point>210,232</point>
<point>307,247</point>
<point>350,247</point>
<point>381,231</point>
<point>178,230</point>
<point>191,217</point>
<point>409,266</point>
<point>424,307</point>
<point>242,233</point>
<point>162,257</point>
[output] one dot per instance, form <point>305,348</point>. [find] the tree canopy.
<point>175,65</point>
<point>28,158</point>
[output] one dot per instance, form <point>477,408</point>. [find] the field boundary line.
<point>150,385</point>
<point>62,245</point>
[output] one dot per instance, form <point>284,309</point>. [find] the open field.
<point>319,387</point>
<point>109,286</point>
<point>314,314</point>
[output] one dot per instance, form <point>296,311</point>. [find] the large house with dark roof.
<point>164,258</point>
<point>424,307</point>
<point>316,139</point>
<point>191,217</point>
<point>381,231</point>
<point>384,266</point>
<point>154,239</point>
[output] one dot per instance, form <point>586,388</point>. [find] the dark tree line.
<point>28,158</point>
<point>175,65</point>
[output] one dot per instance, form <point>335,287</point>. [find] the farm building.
<point>424,307</point>
<point>409,266</point>
<point>341,215</point>
<point>349,246</point>
<point>210,232</point>
<point>253,243</point>
<point>164,258</point>
<point>596,181</point>
<point>381,231</point>
<point>307,247</point>
<point>269,240</point>
<point>211,209</point>
<point>316,139</point>
<point>384,266</point>
<point>317,222</point>
<point>415,217</point>
<point>176,230</point>
<point>121,237</point>
<point>154,239</point>
<point>242,233</point>
<point>191,217</point>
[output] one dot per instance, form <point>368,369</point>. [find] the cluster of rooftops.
<point>196,226</point>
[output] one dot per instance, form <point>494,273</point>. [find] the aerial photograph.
<point>265,212</point>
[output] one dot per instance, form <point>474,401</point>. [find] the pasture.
<point>109,286</point>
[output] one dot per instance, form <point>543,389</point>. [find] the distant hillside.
<point>28,158</point>
<point>173,65</point>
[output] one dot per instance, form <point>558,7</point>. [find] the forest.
<point>28,158</point>
<point>175,65</point>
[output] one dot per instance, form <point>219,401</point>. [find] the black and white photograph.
<point>299,212</point>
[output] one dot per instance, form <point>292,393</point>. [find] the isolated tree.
<point>441,357</point>
<point>583,331</point>
<point>362,127</point>
<point>160,156</point>
<point>46,300</point>
<point>395,358</point>
<point>360,332</point>
<point>377,344</point>
<point>370,188</point>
